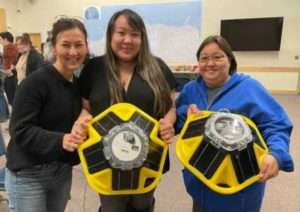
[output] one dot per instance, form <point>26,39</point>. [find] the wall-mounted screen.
<point>253,34</point>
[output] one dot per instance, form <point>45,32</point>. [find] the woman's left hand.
<point>166,130</point>
<point>269,168</point>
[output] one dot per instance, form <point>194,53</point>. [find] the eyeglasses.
<point>214,58</point>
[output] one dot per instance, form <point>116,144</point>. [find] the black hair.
<point>64,24</point>
<point>7,35</point>
<point>224,45</point>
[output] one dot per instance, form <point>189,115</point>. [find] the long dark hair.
<point>147,65</point>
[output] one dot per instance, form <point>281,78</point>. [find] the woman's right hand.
<point>71,142</point>
<point>78,133</point>
<point>79,128</point>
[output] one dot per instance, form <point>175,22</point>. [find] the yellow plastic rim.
<point>99,174</point>
<point>222,171</point>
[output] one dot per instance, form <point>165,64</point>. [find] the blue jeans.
<point>2,153</point>
<point>2,177</point>
<point>41,188</point>
<point>2,144</point>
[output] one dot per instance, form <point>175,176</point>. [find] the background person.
<point>29,60</point>
<point>219,87</point>
<point>10,56</point>
<point>10,52</point>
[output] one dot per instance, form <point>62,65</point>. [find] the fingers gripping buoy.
<point>223,150</point>
<point>123,154</point>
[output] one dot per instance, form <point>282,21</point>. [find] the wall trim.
<point>283,91</point>
<point>268,69</point>
<point>187,68</point>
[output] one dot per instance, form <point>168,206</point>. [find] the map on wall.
<point>173,28</point>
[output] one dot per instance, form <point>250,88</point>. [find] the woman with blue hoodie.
<point>220,87</point>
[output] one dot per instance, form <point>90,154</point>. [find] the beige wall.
<point>9,7</point>
<point>2,19</point>
<point>36,16</point>
<point>215,10</point>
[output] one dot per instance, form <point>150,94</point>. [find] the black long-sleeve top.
<point>45,108</point>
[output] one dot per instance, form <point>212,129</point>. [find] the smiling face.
<point>126,41</point>
<point>214,65</point>
<point>22,47</point>
<point>70,49</point>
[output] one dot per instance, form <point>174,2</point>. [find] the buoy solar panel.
<point>123,154</point>
<point>221,149</point>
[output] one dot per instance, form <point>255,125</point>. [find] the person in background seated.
<point>220,87</point>
<point>42,149</point>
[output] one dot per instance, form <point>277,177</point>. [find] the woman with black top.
<point>41,151</point>
<point>128,72</point>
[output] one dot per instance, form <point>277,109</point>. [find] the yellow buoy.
<point>221,149</point>
<point>123,154</point>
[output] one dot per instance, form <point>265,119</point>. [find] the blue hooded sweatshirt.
<point>243,95</point>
